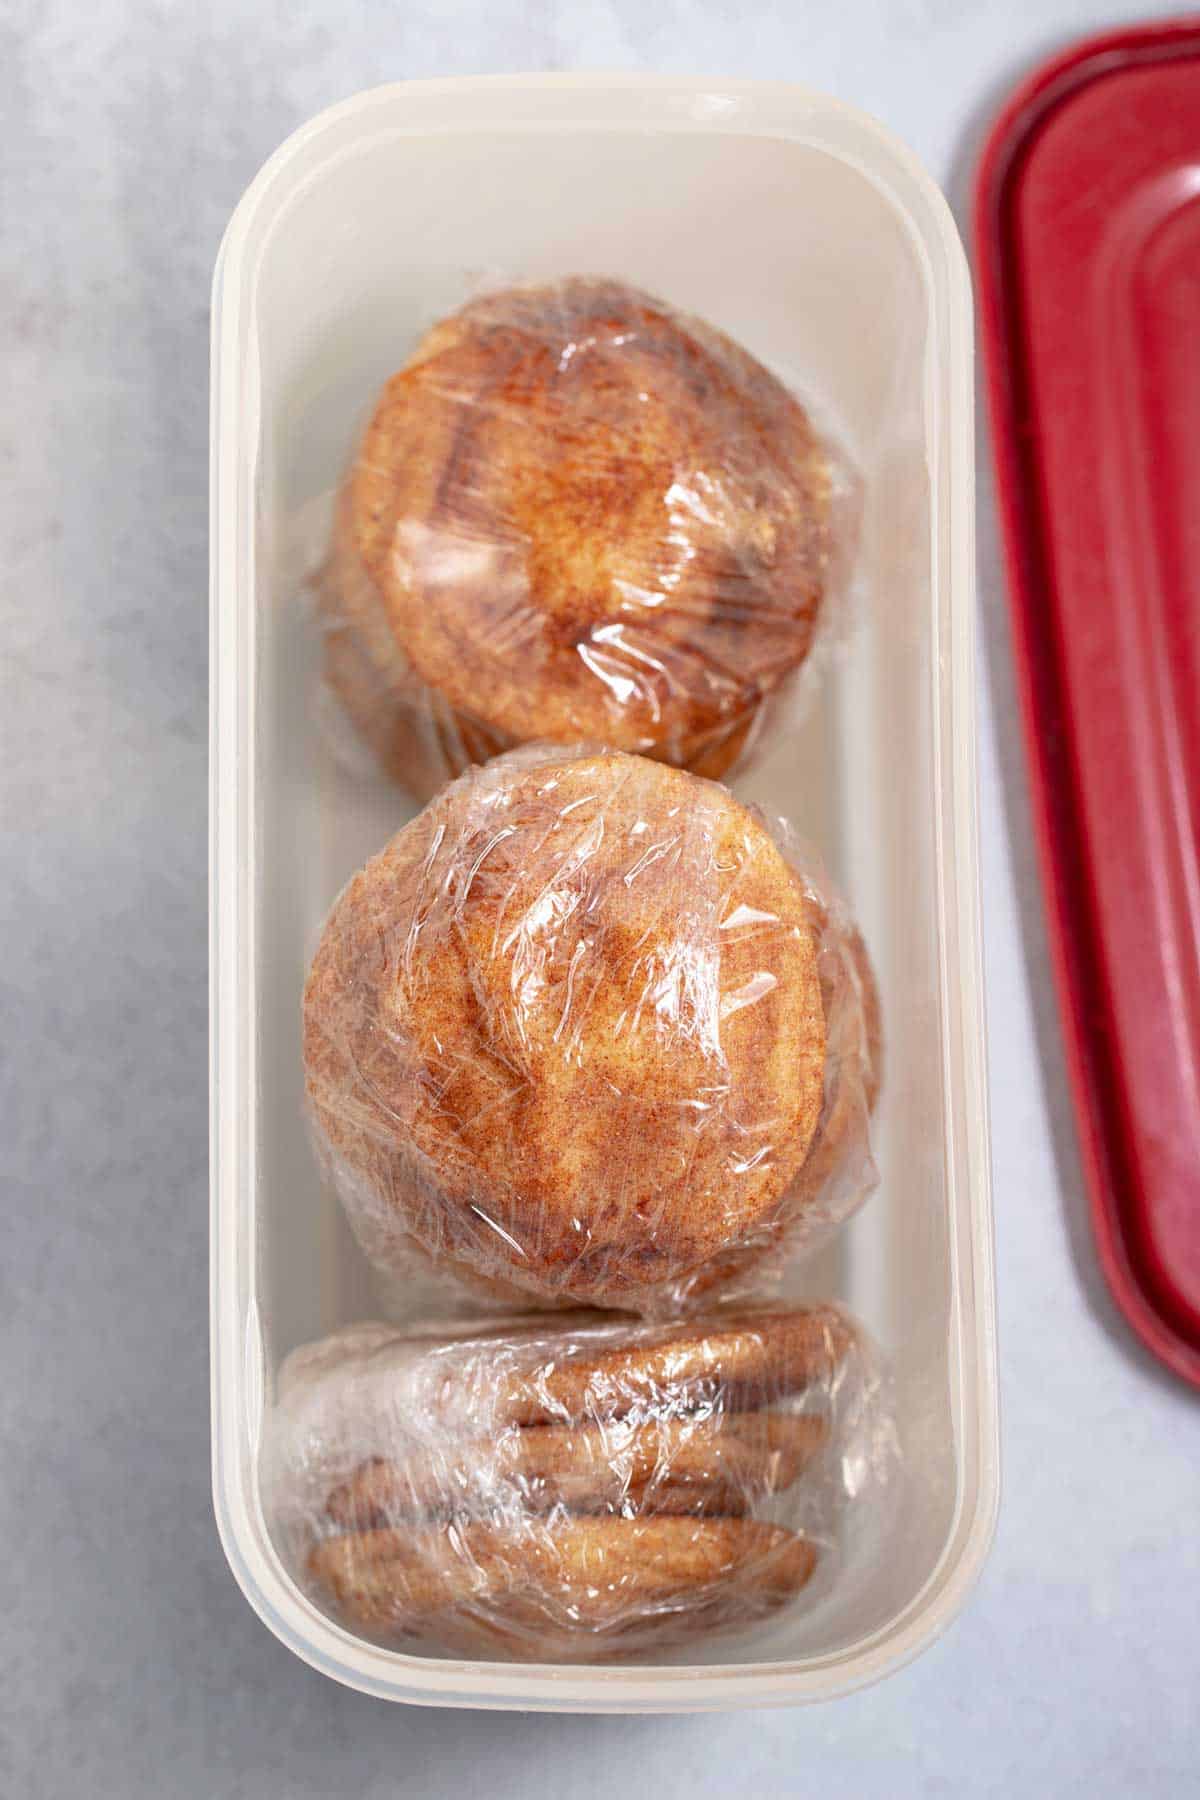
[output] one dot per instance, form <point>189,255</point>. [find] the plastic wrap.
<point>587,1030</point>
<point>577,514</point>
<point>574,1489</point>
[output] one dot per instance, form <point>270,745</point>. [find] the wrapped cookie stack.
<point>589,1041</point>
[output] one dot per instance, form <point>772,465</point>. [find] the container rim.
<point>660,103</point>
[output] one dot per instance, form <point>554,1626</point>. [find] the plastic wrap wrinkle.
<point>589,1030</point>
<point>576,1489</point>
<point>576,513</point>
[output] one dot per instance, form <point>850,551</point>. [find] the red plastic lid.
<point>1088,245</point>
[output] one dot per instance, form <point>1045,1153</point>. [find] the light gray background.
<point>129,1663</point>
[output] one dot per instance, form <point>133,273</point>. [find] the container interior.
<point>806,260</point>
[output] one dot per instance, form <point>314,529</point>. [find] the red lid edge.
<point>1094,1083</point>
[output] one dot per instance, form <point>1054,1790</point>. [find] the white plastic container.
<point>810,234</point>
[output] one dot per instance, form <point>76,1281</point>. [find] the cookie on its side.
<point>575,1587</point>
<point>719,1465</point>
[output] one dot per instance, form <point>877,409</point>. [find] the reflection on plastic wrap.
<point>576,514</point>
<point>576,1488</point>
<point>588,1030</point>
